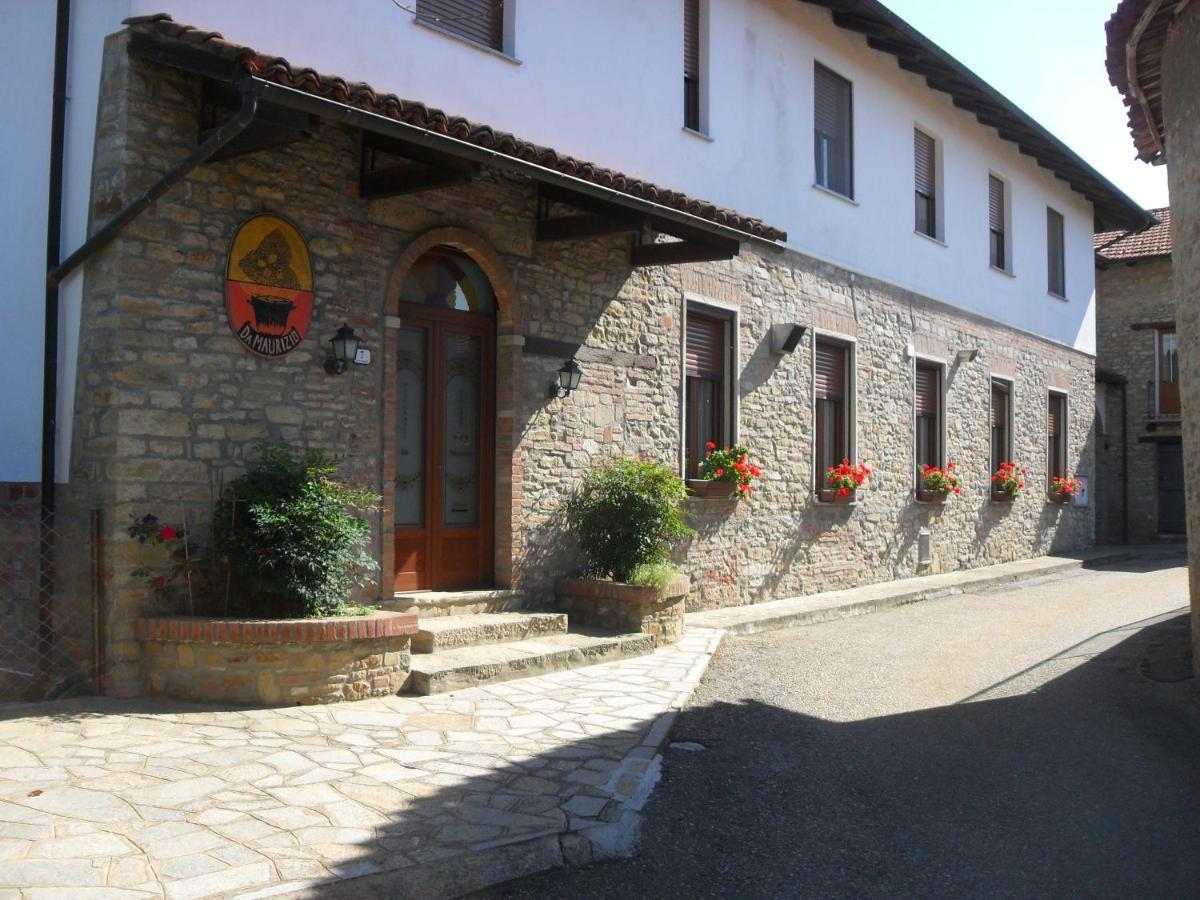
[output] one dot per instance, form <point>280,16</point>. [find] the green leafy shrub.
<point>288,532</point>
<point>655,574</point>
<point>626,515</point>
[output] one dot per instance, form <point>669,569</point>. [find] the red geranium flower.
<point>168,533</point>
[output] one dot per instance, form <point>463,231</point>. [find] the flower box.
<point>711,488</point>
<point>1002,497</point>
<point>1061,496</point>
<point>839,499</point>
<point>937,498</point>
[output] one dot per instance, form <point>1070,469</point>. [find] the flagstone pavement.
<point>118,798</point>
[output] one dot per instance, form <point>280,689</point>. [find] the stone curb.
<point>631,785</point>
<point>816,608</point>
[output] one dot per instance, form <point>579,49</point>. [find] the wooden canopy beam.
<point>675,252</point>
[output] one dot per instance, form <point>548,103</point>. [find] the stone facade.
<point>169,405</point>
<point>1181,117</point>
<point>276,662</point>
<point>1132,298</point>
<point>627,608</point>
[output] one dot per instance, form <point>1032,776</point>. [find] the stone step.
<point>466,667</point>
<point>441,633</point>
<point>428,604</point>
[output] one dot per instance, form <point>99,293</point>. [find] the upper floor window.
<point>833,132</point>
<point>692,105</point>
<point>1056,436</point>
<point>480,21</point>
<point>925,182</point>
<point>997,230</point>
<point>929,415</point>
<point>833,391</point>
<point>1056,273</point>
<point>708,388</point>
<point>1001,423</point>
<point>1166,366</point>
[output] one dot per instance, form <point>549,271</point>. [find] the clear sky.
<point>1047,56</point>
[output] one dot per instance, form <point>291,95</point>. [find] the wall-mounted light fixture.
<point>568,379</point>
<point>343,348</point>
<point>967,355</point>
<point>786,338</point>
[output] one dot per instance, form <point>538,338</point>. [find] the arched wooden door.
<point>445,423</point>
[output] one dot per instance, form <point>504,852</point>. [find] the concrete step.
<point>465,667</point>
<point>428,604</point>
<point>441,633</point>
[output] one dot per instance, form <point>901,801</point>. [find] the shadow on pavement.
<point>1086,786</point>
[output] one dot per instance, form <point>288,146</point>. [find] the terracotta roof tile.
<point>1146,112</point>
<point>1128,245</point>
<point>363,96</point>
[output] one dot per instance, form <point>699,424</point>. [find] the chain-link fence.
<point>50,599</point>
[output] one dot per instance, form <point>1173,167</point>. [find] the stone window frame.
<point>850,344</point>
<point>508,452</point>
<point>943,436</point>
<point>717,308</point>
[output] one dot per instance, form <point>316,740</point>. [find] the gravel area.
<point>1038,740</point>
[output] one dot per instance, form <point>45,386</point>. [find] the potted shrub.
<point>937,482</point>
<point>725,472</point>
<point>843,481</point>
<point>1063,488</point>
<point>1007,482</point>
<point>626,519</point>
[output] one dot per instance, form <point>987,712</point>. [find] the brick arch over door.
<point>508,377</point>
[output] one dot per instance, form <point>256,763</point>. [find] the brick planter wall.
<point>276,662</point>
<point>626,608</point>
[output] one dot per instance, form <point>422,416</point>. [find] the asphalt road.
<point>1040,740</point>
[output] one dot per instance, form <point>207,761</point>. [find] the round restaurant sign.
<point>268,286</point>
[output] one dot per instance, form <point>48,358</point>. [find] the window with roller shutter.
<point>925,182</point>
<point>928,411</point>
<point>481,21</point>
<point>1056,436</point>
<point>832,397</point>
<point>691,65</point>
<point>998,239</point>
<point>708,402</point>
<point>1001,423</point>
<point>1056,276</point>
<point>833,132</point>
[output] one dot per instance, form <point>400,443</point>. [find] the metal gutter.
<point>251,90</point>
<point>339,113</point>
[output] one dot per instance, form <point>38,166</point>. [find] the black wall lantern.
<point>568,379</point>
<point>343,347</point>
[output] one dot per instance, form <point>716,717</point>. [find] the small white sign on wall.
<point>1081,499</point>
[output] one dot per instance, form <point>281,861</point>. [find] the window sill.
<point>1001,271</point>
<point>446,32</point>
<point>930,237</point>
<point>698,135</point>
<point>1058,297</point>
<point>832,193</point>
<point>826,504</point>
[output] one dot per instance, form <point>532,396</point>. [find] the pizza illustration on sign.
<point>268,286</point>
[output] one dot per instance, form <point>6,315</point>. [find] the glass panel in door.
<point>460,435</point>
<point>410,428</point>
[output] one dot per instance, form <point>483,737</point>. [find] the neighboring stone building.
<point>472,264</point>
<point>1138,490</point>
<point>1154,61</point>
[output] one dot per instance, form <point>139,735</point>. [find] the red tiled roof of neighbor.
<point>1142,95</point>
<point>249,61</point>
<point>1130,245</point>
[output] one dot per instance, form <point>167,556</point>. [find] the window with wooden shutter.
<point>708,412</point>
<point>481,21</point>
<point>1167,395</point>
<point>928,409</point>
<point>924,179</point>
<point>832,131</point>
<point>831,408</point>
<point>1056,276</point>
<point>1001,417</point>
<point>1056,438</point>
<point>999,251</point>
<point>691,64</point>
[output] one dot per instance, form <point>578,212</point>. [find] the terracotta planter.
<point>1002,497</point>
<point>830,495</point>
<point>935,497</point>
<point>711,488</point>
<point>1060,497</point>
